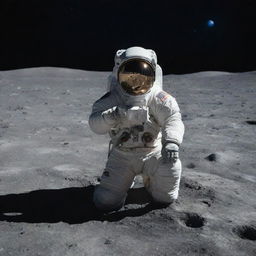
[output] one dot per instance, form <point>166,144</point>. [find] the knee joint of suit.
<point>164,197</point>
<point>107,200</point>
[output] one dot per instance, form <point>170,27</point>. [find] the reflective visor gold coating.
<point>136,76</point>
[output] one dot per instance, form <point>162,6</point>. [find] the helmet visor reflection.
<point>136,76</point>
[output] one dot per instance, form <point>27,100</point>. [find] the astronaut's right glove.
<point>170,152</point>
<point>114,115</point>
<point>119,113</point>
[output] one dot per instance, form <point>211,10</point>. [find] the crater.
<point>195,190</point>
<point>194,220</point>
<point>246,232</point>
<point>252,122</point>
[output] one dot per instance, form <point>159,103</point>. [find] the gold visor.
<point>136,76</point>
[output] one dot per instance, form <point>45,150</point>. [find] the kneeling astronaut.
<point>146,130</point>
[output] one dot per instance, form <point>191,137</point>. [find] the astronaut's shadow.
<point>71,205</point>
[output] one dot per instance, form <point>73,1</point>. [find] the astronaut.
<point>145,126</point>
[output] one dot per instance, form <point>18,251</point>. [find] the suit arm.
<point>103,117</point>
<point>169,118</point>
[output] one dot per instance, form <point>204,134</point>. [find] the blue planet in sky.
<point>210,23</point>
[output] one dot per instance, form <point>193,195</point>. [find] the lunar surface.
<point>50,162</point>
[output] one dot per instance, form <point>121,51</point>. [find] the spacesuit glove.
<point>170,152</point>
<point>118,113</point>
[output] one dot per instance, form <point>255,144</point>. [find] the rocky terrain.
<point>50,162</point>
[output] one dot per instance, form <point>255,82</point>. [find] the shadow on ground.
<point>70,205</point>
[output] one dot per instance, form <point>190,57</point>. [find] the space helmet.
<point>135,73</point>
<point>136,76</point>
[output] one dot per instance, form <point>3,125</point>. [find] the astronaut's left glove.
<point>170,152</point>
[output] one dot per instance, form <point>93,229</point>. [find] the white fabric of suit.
<point>134,156</point>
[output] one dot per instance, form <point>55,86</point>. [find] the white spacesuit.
<point>145,126</point>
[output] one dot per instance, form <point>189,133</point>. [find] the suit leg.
<point>116,179</point>
<point>162,180</point>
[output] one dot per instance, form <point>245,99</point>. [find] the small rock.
<point>212,157</point>
<point>4,125</point>
<point>207,203</point>
<point>107,241</point>
<point>18,108</point>
<point>191,166</point>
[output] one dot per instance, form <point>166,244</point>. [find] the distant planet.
<point>210,23</point>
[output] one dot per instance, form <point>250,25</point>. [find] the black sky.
<point>86,35</point>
